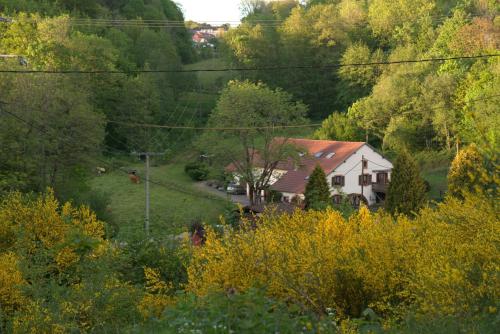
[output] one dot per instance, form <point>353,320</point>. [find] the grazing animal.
<point>134,178</point>
<point>100,170</point>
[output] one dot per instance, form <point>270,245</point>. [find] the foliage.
<point>417,106</point>
<point>252,148</point>
<point>157,296</point>
<point>248,312</point>
<point>57,269</point>
<point>166,257</point>
<point>198,171</point>
<point>274,196</point>
<point>466,172</point>
<point>406,192</point>
<point>443,263</point>
<point>66,116</point>
<point>317,193</point>
<point>339,127</point>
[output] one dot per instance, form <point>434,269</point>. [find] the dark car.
<point>235,189</point>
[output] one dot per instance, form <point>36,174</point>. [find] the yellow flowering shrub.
<point>61,251</point>
<point>457,264</point>
<point>11,280</point>
<point>445,260</point>
<point>156,298</point>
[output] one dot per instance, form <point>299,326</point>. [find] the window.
<point>365,163</point>
<point>286,199</point>
<point>365,179</point>
<point>337,199</point>
<point>330,155</point>
<point>382,178</point>
<point>318,155</point>
<point>338,180</point>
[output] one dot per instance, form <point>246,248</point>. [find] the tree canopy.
<point>257,113</point>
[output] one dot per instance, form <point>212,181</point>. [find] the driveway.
<point>238,199</point>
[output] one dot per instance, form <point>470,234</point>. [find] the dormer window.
<point>318,155</point>
<point>301,154</point>
<point>330,155</point>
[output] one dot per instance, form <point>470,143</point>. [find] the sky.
<point>210,10</point>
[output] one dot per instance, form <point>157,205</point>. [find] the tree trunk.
<point>251,194</point>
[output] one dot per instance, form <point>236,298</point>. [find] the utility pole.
<point>146,155</point>
<point>362,177</point>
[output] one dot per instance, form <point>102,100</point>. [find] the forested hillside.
<point>72,110</point>
<point>421,105</point>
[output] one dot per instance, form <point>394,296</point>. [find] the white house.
<point>353,169</point>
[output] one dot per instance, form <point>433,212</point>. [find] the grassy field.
<point>437,180</point>
<point>174,204</point>
<point>211,80</point>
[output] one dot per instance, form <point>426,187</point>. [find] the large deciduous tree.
<point>259,114</point>
<point>406,193</point>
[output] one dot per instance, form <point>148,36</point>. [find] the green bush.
<point>274,196</point>
<point>139,252</point>
<point>198,171</point>
<point>251,312</point>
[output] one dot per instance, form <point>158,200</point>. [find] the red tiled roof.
<point>295,180</point>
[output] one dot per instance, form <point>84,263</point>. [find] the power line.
<point>378,164</point>
<point>111,167</point>
<point>242,69</point>
<point>180,127</point>
<point>159,23</point>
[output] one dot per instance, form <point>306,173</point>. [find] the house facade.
<point>354,170</point>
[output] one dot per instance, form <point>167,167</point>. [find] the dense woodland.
<point>80,79</point>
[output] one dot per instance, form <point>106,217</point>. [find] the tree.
<point>465,172</point>
<point>317,191</point>
<point>248,7</point>
<point>406,193</point>
<point>253,148</point>
<point>340,127</point>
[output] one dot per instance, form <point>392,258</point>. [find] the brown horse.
<point>134,178</point>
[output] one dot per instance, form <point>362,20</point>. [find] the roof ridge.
<point>323,140</point>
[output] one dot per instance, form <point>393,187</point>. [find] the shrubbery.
<point>442,263</point>
<point>233,312</point>
<point>198,171</point>
<point>57,271</point>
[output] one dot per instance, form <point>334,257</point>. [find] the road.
<point>238,199</point>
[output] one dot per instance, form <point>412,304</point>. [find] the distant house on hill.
<point>201,37</point>
<point>353,169</point>
<point>206,34</point>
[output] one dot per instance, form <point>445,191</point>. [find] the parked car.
<point>235,189</point>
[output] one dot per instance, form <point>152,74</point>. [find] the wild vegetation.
<point>83,84</point>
